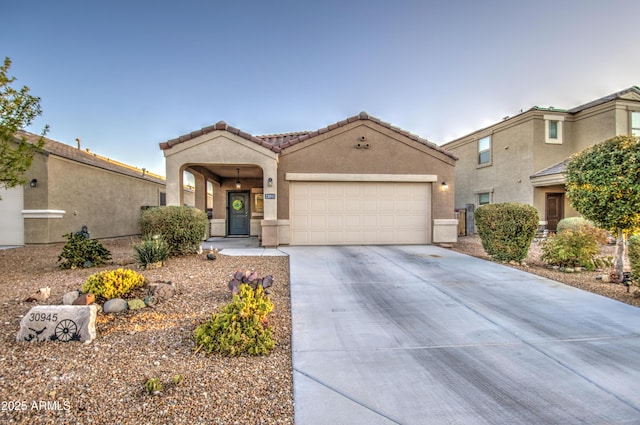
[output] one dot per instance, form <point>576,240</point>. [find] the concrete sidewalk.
<point>423,335</point>
<point>240,247</point>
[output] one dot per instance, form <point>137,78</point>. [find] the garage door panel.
<point>339,213</point>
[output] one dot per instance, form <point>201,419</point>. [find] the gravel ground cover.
<point>102,382</point>
<point>584,280</point>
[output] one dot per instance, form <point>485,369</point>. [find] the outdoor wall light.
<point>238,184</point>
<point>33,183</point>
<point>269,182</point>
<point>444,186</point>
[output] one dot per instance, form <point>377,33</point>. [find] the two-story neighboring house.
<point>523,158</point>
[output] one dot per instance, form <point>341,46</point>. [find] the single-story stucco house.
<point>358,181</point>
<point>69,187</point>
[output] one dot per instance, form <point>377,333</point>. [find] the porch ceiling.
<point>229,170</point>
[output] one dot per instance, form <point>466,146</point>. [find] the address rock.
<point>59,323</point>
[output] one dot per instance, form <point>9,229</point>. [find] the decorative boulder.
<point>70,297</point>
<point>41,294</point>
<point>136,304</point>
<point>163,291</point>
<point>59,323</point>
<point>151,301</point>
<point>115,305</point>
<point>85,299</point>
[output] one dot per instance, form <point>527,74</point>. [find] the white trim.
<point>547,120</point>
<point>548,180</point>
<point>329,177</point>
<point>43,213</point>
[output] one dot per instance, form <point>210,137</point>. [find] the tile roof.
<point>51,147</point>
<point>278,142</point>
<point>557,168</point>
<point>605,99</point>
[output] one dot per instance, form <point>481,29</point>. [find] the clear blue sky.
<point>124,76</point>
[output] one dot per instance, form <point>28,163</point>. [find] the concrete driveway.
<point>425,335</point>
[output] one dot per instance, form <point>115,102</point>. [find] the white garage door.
<point>11,221</point>
<point>359,213</point>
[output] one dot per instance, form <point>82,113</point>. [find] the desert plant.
<point>151,250</point>
<point>80,251</point>
<point>250,278</point>
<point>571,223</point>
<point>240,327</point>
<point>177,379</point>
<point>110,284</point>
<point>571,248</point>
<point>507,230</point>
<point>153,385</point>
<point>633,251</point>
<point>182,228</point>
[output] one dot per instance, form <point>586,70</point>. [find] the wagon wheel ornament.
<point>66,329</point>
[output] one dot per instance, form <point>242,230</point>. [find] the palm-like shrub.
<point>151,250</point>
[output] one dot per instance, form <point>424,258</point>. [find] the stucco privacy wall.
<point>107,202</point>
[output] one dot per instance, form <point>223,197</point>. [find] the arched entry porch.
<point>215,156</point>
<point>232,195</point>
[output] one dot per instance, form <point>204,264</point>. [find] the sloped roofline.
<point>574,110</point>
<point>278,142</point>
<point>89,158</point>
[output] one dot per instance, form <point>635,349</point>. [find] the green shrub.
<point>634,255</point>
<point>152,249</point>
<point>182,228</point>
<point>507,229</point>
<point>571,223</point>
<point>583,225</point>
<point>241,326</point>
<point>80,251</point>
<point>571,248</point>
<point>576,244</point>
<point>111,284</point>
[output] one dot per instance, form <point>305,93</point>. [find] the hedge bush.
<point>182,228</point>
<point>572,223</point>
<point>634,255</point>
<point>507,229</point>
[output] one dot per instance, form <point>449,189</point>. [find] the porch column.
<point>174,183</point>
<point>201,191</point>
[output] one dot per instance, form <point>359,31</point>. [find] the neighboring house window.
<point>553,129</point>
<point>484,150</point>
<point>163,199</point>
<point>484,198</point>
<point>635,123</point>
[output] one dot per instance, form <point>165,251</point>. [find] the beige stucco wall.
<point>512,162</point>
<point>389,153</point>
<point>519,150</point>
<point>107,202</point>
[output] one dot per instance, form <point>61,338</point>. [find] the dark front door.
<point>238,213</point>
<point>554,210</point>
